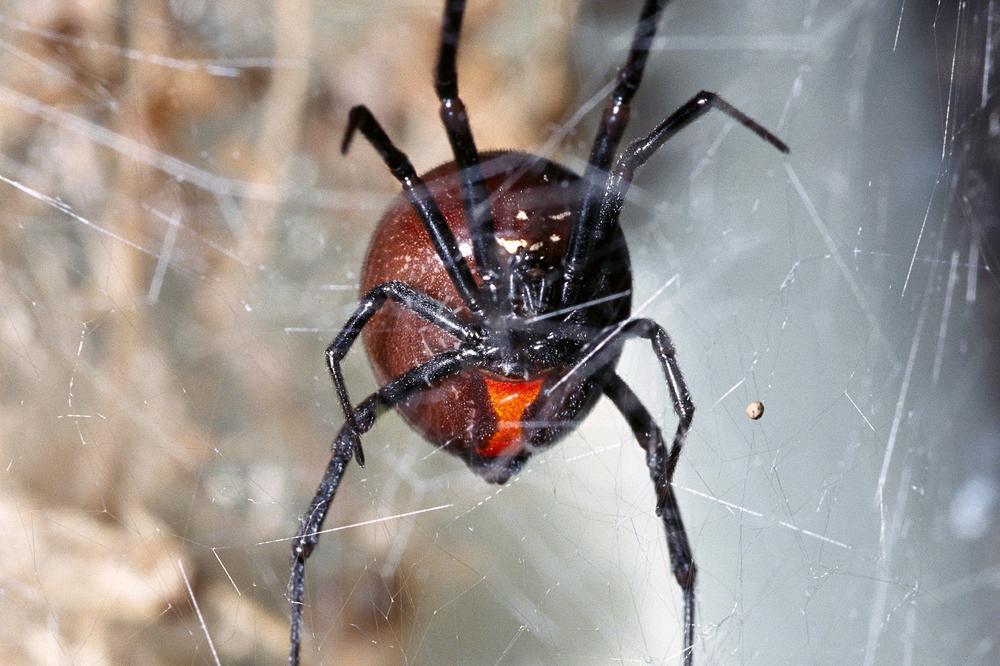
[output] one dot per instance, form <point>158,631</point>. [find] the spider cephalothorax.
<point>495,302</point>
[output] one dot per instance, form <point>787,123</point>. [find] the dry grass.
<point>173,204</point>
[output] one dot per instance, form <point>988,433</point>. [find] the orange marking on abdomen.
<point>508,400</point>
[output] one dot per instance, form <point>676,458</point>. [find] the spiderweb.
<point>180,239</point>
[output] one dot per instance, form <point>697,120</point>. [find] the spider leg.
<point>609,135</point>
<point>638,152</point>
<point>596,356</point>
<point>478,210</point>
<point>634,156</point>
<point>661,465</point>
<point>616,114</point>
<point>415,190</point>
<point>343,449</point>
<point>418,303</point>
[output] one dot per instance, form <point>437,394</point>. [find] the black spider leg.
<point>594,359</point>
<point>311,523</point>
<point>641,150</point>
<point>609,135</point>
<point>418,303</point>
<point>360,118</point>
<point>662,463</point>
<point>478,210</point>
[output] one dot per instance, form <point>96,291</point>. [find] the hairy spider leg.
<point>478,211</point>
<point>639,151</point>
<point>418,303</point>
<point>360,118</point>
<point>310,524</point>
<point>609,135</point>
<point>661,471</point>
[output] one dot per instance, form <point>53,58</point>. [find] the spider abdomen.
<point>491,421</point>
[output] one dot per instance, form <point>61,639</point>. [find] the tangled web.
<point>180,239</point>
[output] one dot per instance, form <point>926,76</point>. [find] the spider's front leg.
<point>609,135</point>
<point>344,447</point>
<point>416,192</point>
<point>478,210</point>
<point>418,303</point>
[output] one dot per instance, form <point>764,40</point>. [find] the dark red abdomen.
<point>471,414</point>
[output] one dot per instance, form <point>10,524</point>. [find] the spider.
<point>498,287</point>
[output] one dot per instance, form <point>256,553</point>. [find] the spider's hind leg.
<point>661,461</point>
<point>661,465</point>
<point>416,302</point>
<point>311,523</point>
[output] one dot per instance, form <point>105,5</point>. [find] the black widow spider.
<point>499,289</point>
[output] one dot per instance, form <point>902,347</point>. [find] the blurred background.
<point>180,240</point>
